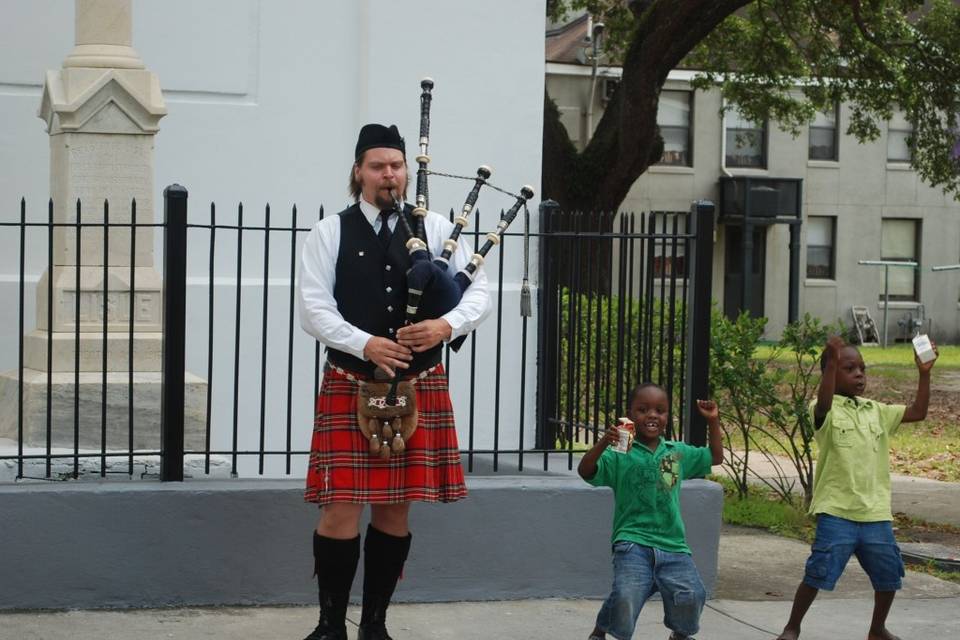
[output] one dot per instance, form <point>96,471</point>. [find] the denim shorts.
<point>837,539</point>
<point>638,573</point>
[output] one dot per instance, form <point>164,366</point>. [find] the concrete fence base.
<point>227,542</point>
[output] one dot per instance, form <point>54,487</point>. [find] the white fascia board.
<point>566,69</point>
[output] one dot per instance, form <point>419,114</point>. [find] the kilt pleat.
<point>341,468</point>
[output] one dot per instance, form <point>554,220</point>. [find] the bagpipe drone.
<point>432,290</point>
<point>387,411</point>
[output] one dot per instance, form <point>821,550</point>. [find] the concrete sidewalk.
<point>930,500</point>
<point>829,619</point>
<point>758,575</point>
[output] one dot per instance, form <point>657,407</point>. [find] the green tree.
<point>787,424</point>
<point>782,59</point>
<point>742,386</point>
<point>765,400</point>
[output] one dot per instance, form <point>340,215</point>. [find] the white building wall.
<point>265,100</point>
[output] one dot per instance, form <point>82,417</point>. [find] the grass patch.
<point>893,374</point>
<point>926,450</point>
<point>898,355</point>
<point>576,447</point>
<point>931,569</point>
<point>762,510</point>
<point>910,529</point>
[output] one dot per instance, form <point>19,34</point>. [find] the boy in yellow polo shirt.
<point>851,485</point>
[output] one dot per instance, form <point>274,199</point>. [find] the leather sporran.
<point>387,426</point>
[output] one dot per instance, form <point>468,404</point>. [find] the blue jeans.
<point>837,539</point>
<point>638,573</point>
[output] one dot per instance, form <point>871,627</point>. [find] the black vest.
<point>371,287</point>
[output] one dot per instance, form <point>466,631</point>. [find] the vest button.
<point>388,267</point>
<point>389,289</point>
<point>390,330</point>
<point>390,308</point>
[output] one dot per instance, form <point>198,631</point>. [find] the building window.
<point>669,259</point>
<point>898,134</point>
<point>746,141</point>
<point>673,118</point>
<point>610,86</point>
<point>824,141</point>
<point>900,241</point>
<point>820,247</point>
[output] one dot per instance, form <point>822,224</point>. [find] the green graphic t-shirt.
<point>646,489</point>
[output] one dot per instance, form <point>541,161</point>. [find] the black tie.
<point>384,234</point>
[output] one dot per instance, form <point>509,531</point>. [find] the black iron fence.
<point>624,299</point>
<point>232,391</point>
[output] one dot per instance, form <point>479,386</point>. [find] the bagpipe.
<point>431,289</point>
<point>388,418</point>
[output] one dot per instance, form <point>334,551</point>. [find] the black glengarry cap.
<point>377,135</point>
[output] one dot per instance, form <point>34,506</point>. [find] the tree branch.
<point>861,26</point>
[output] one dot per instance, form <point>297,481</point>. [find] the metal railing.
<point>614,308</point>
<point>624,299</point>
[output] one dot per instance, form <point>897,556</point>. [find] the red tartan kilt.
<point>342,470</point>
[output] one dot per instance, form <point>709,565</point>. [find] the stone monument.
<point>102,111</point>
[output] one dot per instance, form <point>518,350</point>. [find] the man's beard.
<point>382,197</point>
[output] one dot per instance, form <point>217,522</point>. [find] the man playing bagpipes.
<point>374,442</point>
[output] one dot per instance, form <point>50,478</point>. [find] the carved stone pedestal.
<point>146,413</point>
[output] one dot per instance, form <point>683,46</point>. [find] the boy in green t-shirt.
<point>851,485</point>
<point>650,551</point>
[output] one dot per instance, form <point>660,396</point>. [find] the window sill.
<point>670,168</point>
<point>823,164</point>
<point>747,171</point>
<point>898,166</point>
<point>819,282</point>
<point>899,304</point>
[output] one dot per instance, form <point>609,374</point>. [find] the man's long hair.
<point>354,184</point>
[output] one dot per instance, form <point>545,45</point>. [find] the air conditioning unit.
<point>764,201</point>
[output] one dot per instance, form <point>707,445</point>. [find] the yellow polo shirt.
<point>852,477</point>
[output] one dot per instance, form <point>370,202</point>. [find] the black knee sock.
<point>383,559</point>
<point>335,564</point>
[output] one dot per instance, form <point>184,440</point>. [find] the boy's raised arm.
<point>828,380</point>
<point>709,410</point>
<point>588,463</point>
<point>918,410</point>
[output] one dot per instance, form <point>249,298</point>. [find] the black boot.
<point>335,563</point>
<point>383,560</point>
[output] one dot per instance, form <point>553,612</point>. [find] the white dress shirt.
<point>319,315</point>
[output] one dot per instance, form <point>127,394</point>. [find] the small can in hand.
<point>627,431</point>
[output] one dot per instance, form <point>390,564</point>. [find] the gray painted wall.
<point>144,544</point>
